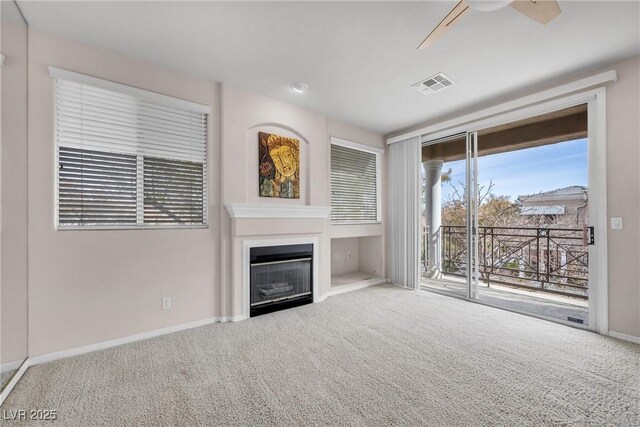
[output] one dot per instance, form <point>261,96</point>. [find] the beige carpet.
<point>380,356</point>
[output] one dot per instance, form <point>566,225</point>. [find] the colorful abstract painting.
<point>279,160</point>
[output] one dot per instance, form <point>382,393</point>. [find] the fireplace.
<point>281,277</point>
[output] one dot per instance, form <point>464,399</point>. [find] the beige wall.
<point>345,255</point>
<point>13,199</point>
<point>363,254</point>
<point>623,197</point>
<point>244,114</point>
<point>91,286</point>
<point>371,258</point>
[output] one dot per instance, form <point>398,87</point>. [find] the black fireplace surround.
<point>281,277</point>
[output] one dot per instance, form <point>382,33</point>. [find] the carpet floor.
<point>380,356</point>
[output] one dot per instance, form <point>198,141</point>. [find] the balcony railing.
<point>550,260</point>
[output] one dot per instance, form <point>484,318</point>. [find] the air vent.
<point>433,84</point>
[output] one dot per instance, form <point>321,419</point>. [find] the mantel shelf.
<point>259,210</point>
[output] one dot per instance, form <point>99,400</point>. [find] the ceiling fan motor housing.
<point>487,5</point>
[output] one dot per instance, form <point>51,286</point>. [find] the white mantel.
<point>247,244</point>
<point>269,224</point>
<point>260,210</point>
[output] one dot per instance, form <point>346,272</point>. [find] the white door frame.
<point>471,196</point>
<point>597,136</point>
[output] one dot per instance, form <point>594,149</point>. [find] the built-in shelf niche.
<point>356,260</point>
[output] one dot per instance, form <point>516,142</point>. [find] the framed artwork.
<point>279,166</point>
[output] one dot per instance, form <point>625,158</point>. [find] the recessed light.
<point>300,87</point>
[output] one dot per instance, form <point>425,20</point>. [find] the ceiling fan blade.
<point>542,11</point>
<point>449,21</point>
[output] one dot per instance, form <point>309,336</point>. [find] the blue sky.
<point>527,171</point>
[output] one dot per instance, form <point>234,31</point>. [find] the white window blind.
<point>127,157</point>
<point>355,195</point>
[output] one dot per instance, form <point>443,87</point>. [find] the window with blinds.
<point>355,195</point>
<point>127,157</point>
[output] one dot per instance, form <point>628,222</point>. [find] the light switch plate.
<point>616,223</point>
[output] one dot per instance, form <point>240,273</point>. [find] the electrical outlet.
<point>166,303</point>
<point>616,223</point>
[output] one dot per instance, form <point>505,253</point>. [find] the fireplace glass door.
<point>280,280</point>
<point>281,277</point>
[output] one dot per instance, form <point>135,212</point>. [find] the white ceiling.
<point>359,58</point>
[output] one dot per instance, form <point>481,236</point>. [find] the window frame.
<point>378,152</point>
<point>147,96</point>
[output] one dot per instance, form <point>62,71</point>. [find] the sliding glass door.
<point>506,216</point>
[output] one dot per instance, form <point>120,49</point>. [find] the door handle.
<point>588,235</point>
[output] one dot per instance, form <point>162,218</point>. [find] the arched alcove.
<point>253,163</point>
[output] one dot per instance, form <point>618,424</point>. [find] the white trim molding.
<point>468,120</point>
<point>10,366</point>
<point>625,337</point>
<point>511,116</point>
<point>14,380</point>
<point>49,357</point>
<point>77,351</point>
<point>355,145</point>
<point>597,157</point>
<point>259,210</point>
<point>166,100</point>
<point>227,319</point>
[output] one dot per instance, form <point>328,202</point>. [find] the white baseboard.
<point>43,358</point>
<point>625,337</point>
<point>237,318</point>
<point>354,287</point>
<point>14,380</point>
<point>10,366</point>
<point>77,351</point>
